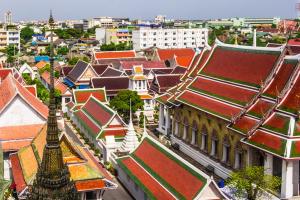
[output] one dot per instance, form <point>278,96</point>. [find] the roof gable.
<point>114,54</point>
<point>99,112</point>
<point>179,179</point>
<point>167,54</point>
<point>82,95</point>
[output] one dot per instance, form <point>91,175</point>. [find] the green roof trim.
<point>219,97</point>
<point>160,179</point>
<point>204,109</point>
<point>136,179</point>
<point>294,152</point>
<point>279,152</point>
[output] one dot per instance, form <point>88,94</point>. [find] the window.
<point>195,136</point>
<point>176,128</point>
<point>238,159</point>
<point>214,148</point>
<point>226,153</point>
<point>154,33</point>
<point>204,138</point>
<point>67,100</point>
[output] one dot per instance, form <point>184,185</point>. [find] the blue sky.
<point>147,9</point>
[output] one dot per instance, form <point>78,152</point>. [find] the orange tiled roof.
<point>114,54</point>
<point>146,96</point>
<point>167,54</point>
<point>89,185</point>
<point>184,61</point>
<point>20,132</point>
<point>41,64</point>
<point>14,145</point>
<point>31,89</point>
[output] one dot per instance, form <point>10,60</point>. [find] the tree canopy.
<point>252,182</point>
<point>68,33</point>
<point>116,47</point>
<point>121,103</point>
<point>74,60</point>
<point>26,33</point>
<point>62,50</point>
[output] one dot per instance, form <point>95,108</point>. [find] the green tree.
<point>26,33</point>
<point>73,60</point>
<point>121,103</point>
<point>253,182</point>
<point>62,50</point>
<point>11,50</point>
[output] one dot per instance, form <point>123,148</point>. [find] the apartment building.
<point>9,36</point>
<point>169,38</point>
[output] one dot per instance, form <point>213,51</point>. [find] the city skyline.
<point>33,9</point>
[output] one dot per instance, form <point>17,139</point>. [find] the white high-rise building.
<point>8,18</point>
<point>169,38</point>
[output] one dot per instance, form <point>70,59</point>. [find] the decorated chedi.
<point>52,180</point>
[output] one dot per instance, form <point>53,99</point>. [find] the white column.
<point>161,116</point>
<point>296,178</point>
<point>213,148</point>
<point>167,126</point>
<point>83,196</point>
<point>193,136</point>
<point>287,179</point>
<point>268,165</point>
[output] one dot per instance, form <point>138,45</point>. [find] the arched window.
<point>214,144</point>
<point>204,138</point>
<point>238,161</point>
<point>176,121</point>
<point>226,149</point>
<point>195,134</point>
<point>185,128</point>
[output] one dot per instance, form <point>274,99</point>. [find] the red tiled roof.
<point>178,177</point>
<point>150,184</point>
<point>249,67</point>
<point>281,78</point>
<point>208,104</point>
<point>82,95</point>
<point>17,173</point>
<point>278,123</point>
<point>244,124</point>
<point>291,101</point>
<point>115,132</point>
<point>10,87</point>
<point>167,54</point>
<point>114,54</point>
<point>128,65</point>
<point>89,185</point>
<point>19,132</point>
<point>222,90</point>
<point>260,108</point>
<point>268,141</point>
<point>4,73</point>
<point>100,113</point>
<point>88,122</point>
<point>14,145</point>
<point>294,42</point>
<point>184,61</point>
<point>31,89</point>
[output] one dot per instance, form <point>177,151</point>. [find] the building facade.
<point>10,36</point>
<point>169,38</point>
<point>227,119</point>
